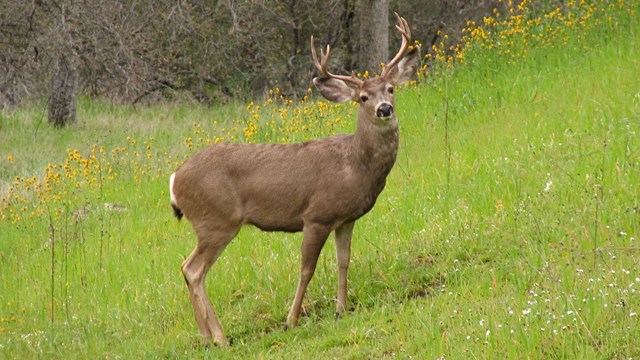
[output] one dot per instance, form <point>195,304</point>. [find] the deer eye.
<point>364,98</point>
<point>390,90</point>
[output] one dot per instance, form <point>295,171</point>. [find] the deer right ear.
<point>334,90</point>
<point>406,68</point>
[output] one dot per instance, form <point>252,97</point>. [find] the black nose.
<point>385,110</point>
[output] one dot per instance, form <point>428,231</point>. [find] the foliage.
<point>204,51</point>
<point>508,228</point>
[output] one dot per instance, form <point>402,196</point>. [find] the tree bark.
<point>374,35</point>
<point>62,93</point>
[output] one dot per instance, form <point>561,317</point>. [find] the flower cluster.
<point>58,187</point>
<point>511,34</point>
<point>277,119</point>
<point>64,187</point>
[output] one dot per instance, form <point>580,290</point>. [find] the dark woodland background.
<point>204,51</point>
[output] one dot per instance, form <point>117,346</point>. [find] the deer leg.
<point>195,270</point>
<point>314,237</point>
<point>343,251</point>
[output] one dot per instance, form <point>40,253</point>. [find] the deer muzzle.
<point>384,111</point>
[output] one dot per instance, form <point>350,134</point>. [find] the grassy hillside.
<point>510,226</point>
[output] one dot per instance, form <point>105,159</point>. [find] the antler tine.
<point>315,56</point>
<point>324,62</point>
<point>405,31</point>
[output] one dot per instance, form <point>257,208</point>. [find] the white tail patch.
<point>173,196</point>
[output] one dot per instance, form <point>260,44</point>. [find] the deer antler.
<point>322,66</point>
<point>403,29</point>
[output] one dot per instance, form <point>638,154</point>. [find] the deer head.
<point>375,95</point>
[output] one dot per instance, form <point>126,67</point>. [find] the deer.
<point>314,187</point>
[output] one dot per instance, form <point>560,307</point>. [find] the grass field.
<point>509,228</point>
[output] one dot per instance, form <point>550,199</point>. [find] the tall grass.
<point>509,226</point>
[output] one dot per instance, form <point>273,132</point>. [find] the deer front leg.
<point>314,237</point>
<point>343,252</point>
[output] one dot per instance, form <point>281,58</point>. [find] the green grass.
<point>509,226</point>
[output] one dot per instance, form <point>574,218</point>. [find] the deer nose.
<point>384,110</point>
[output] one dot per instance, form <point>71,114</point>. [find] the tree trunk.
<point>374,35</point>
<point>62,94</point>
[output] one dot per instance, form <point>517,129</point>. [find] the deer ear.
<point>334,90</point>
<point>406,68</point>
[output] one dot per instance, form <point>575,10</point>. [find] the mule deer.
<point>316,187</point>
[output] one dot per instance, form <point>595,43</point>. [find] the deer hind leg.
<point>314,237</point>
<point>343,252</point>
<point>195,268</point>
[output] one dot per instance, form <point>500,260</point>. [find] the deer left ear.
<point>406,68</point>
<point>334,90</point>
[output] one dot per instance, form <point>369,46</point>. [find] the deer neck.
<point>376,145</point>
